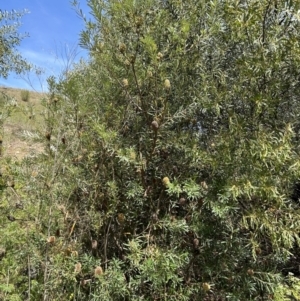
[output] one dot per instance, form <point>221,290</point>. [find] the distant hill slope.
<point>21,129</point>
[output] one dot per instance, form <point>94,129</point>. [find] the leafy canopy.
<point>171,157</point>
<point>10,39</point>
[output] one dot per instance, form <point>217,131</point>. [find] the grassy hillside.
<point>21,127</point>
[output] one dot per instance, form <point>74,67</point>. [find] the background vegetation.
<point>171,160</point>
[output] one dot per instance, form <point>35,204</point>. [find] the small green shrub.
<point>25,95</point>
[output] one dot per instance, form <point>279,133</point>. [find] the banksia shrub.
<point>194,97</point>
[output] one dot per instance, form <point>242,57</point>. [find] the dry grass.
<point>20,128</point>
<point>16,93</point>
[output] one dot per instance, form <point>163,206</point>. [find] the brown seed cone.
<point>98,271</point>
<point>250,272</point>
<point>94,244</point>
<point>77,268</point>
<point>122,47</point>
<point>182,201</point>
<point>121,218</point>
<point>48,136</point>
<point>204,185</point>
<point>2,252</point>
<point>139,21</point>
<point>154,217</point>
<point>154,125</point>
<point>11,183</point>
<point>196,243</point>
<point>51,239</point>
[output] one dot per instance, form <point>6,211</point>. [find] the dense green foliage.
<point>10,59</point>
<point>170,160</point>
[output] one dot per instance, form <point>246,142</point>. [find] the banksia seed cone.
<point>121,218</point>
<point>204,185</point>
<point>154,217</point>
<point>206,286</point>
<point>182,201</point>
<point>34,173</point>
<point>159,56</point>
<point>258,251</point>
<point>139,21</point>
<point>48,136</point>
<point>196,243</point>
<point>250,272</point>
<point>98,271</point>
<point>94,244</point>
<point>167,84</point>
<point>154,125</point>
<point>132,59</point>
<point>11,183</point>
<point>68,252</point>
<point>77,159</point>
<point>51,239</point>
<point>2,252</point>
<point>166,181</point>
<point>122,47</point>
<point>77,269</point>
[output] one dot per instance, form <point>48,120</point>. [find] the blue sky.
<point>53,27</point>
